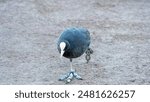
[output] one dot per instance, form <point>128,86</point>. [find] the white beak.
<point>62,47</point>
<point>61,54</point>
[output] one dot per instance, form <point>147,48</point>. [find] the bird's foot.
<point>70,76</point>
<point>88,52</point>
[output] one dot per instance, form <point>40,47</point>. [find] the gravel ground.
<point>120,31</point>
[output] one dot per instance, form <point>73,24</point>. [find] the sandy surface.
<point>120,32</point>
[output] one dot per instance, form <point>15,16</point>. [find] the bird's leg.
<point>88,52</point>
<point>70,75</point>
<point>74,72</point>
<point>71,66</point>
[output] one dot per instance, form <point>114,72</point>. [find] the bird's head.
<point>62,46</point>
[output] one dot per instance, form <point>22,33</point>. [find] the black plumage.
<point>77,41</point>
<point>72,43</point>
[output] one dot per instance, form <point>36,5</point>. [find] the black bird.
<point>72,43</point>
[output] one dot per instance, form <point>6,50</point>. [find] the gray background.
<point>120,31</point>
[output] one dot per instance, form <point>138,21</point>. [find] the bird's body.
<point>78,40</point>
<point>72,43</point>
